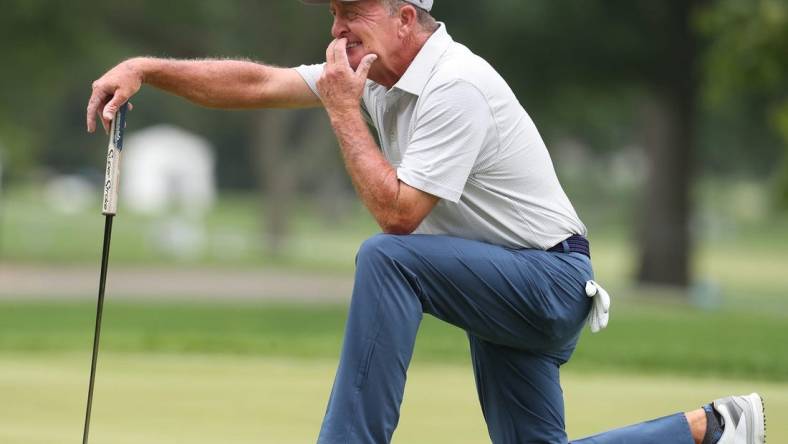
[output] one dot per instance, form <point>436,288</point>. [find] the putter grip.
<point>112,173</point>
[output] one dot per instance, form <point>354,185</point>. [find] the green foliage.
<point>780,119</point>
<point>46,45</point>
<point>749,41</point>
<point>577,66</point>
<point>56,50</point>
<point>747,59</point>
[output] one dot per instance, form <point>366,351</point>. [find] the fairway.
<point>163,398</point>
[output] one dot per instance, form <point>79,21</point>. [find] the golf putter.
<point>109,208</point>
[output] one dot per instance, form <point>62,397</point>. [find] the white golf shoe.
<point>744,420</point>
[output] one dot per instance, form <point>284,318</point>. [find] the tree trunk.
<point>274,176</point>
<point>663,235</point>
<point>668,135</point>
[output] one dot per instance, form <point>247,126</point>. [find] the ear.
<point>408,19</point>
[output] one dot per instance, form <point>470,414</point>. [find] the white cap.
<point>423,4</point>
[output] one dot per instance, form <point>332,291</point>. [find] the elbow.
<point>399,230</point>
<point>400,225</point>
<point>407,213</point>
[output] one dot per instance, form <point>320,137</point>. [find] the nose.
<point>338,28</point>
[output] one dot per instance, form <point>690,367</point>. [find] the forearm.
<point>229,84</point>
<point>397,207</point>
<point>374,179</point>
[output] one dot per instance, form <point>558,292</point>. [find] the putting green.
<point>194,399</point>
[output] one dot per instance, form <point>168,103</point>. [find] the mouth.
<point>353,45</point>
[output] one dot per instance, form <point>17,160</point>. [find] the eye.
<point>351,15</point>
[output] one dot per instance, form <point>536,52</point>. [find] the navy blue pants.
<point>523,311</point>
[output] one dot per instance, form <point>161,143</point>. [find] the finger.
<point>330,52</point>
<point>604,320</point>
<point>340,52</point>
<point>113,106</point>
<point>366,63</point>
<point>593,322</point>
<point>604,300</point>
<point>95,103</point>
<point>131,106</point>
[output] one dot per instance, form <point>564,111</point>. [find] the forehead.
<point>339,5</point>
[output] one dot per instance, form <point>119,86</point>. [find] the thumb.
<point>365,65</point>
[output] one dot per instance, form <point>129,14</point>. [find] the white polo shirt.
<point>453,128</point>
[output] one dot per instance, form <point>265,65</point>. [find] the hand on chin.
<point>354,58</point>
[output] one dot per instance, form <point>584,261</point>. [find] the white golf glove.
<point>600,308</point>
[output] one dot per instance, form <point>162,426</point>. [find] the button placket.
<point>391,129</point>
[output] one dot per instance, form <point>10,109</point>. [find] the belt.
<point>573,244</point>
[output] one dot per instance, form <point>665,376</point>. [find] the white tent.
<point>167,169</point>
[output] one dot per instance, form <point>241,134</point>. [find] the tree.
<point>647,49</point>
<point>747,59</point>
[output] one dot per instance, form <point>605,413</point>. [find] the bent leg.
<point>380,333</point>
<point>524,299</point>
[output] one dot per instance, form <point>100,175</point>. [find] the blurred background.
<point>231,269</point>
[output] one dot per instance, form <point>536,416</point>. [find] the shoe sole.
<point>759,417</point>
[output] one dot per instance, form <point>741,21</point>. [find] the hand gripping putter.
<point>109,207</point>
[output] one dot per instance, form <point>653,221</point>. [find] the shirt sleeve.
<point>451,127</point>
<point>310,74</point>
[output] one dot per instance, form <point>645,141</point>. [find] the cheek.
<point>354,61</point>
<point>369,47</point>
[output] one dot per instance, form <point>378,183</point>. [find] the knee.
<point>384,265</point>
<point>378,248</point>
<point>395,256</point>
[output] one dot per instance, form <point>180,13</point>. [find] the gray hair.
<point>425,19</point>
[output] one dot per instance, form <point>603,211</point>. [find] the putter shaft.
<point>99,310</point>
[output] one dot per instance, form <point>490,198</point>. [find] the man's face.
<point>369,29</point>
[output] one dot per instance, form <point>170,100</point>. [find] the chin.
<point>354,63</point>
<point>355,56</point>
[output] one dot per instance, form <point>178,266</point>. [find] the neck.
<point>392,70</point>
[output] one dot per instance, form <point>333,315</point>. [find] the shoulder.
<point>475,83</point>
<point>460,66</point>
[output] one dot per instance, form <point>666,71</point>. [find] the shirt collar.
<point>417,74</point>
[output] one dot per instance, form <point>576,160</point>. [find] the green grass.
<point>208,399</point>
<point>248,372</point>
<point>647,338</point>
<point>655,339</point>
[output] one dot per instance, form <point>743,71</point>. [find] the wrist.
<point>344,114</point>
<point>139,66</point>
